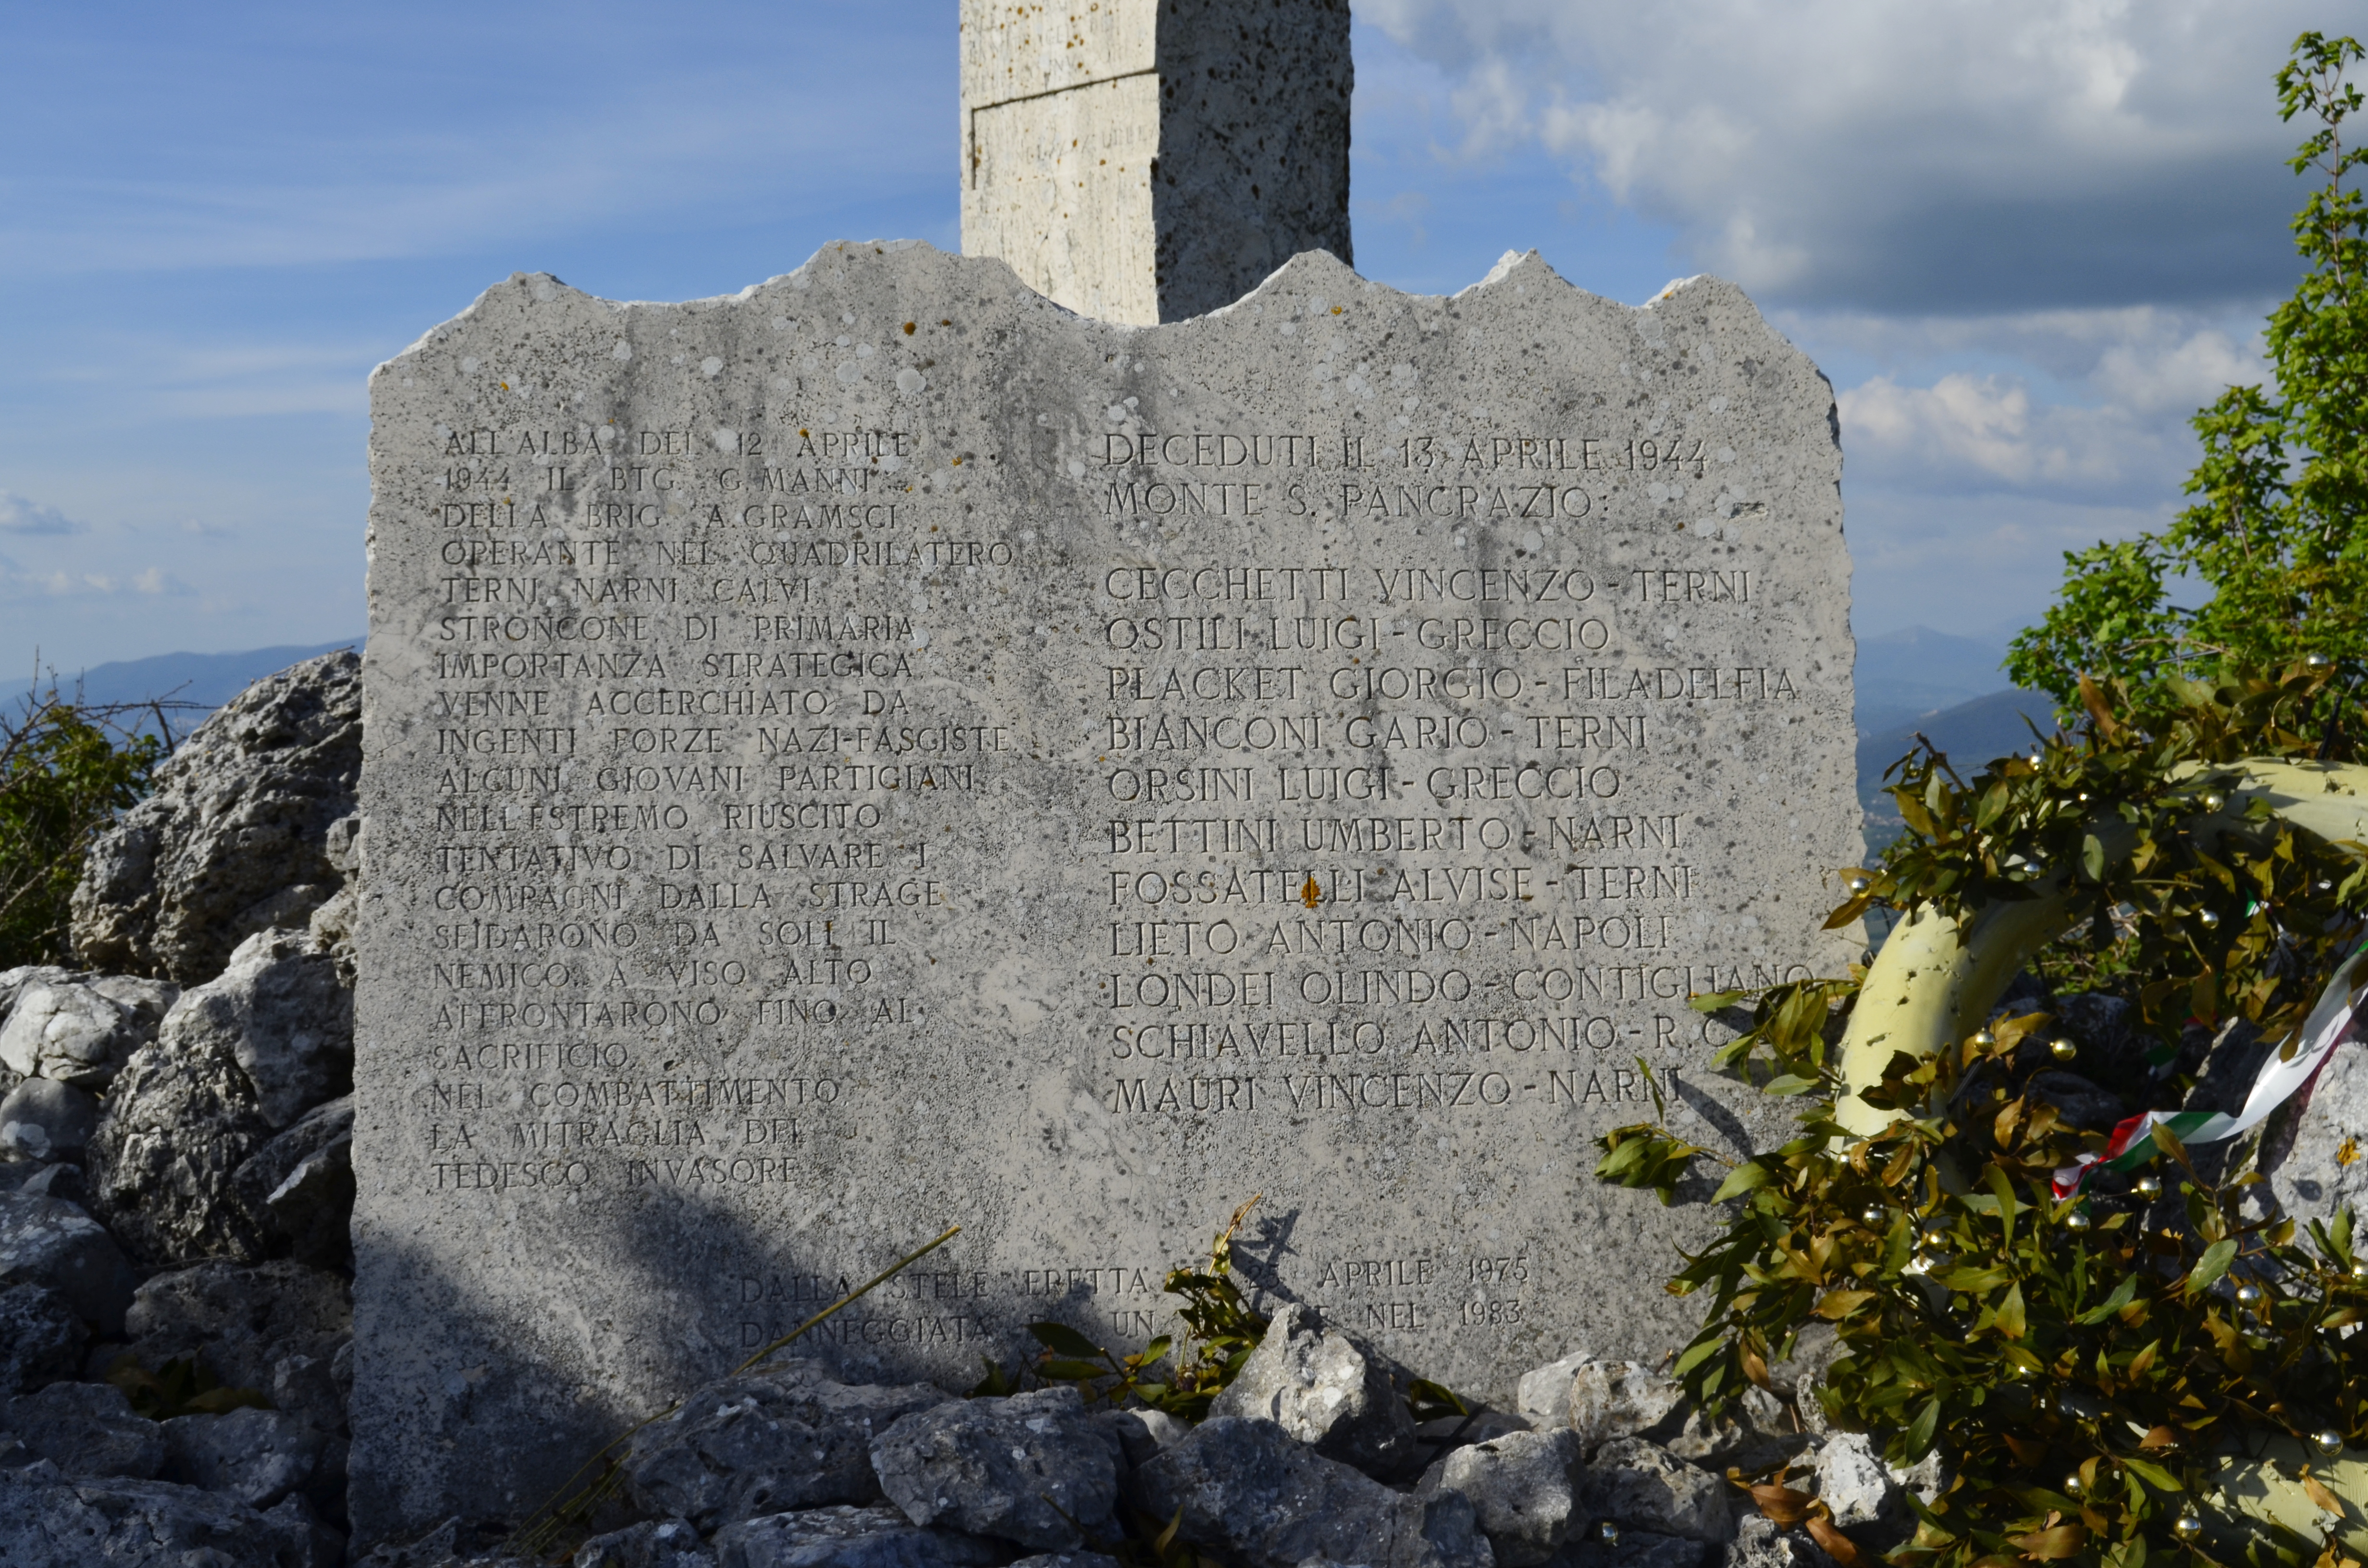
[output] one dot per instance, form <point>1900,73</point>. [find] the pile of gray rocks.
<point>1309,1458</point>
<point>175,1187</point>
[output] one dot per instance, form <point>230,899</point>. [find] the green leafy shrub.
<point>66,768</point>
<point>2076,1363</point>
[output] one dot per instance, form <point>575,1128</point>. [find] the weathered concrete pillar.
<point>1147,160</point>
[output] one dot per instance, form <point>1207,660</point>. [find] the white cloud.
<point>1905,156</point>
<point>21,515</point>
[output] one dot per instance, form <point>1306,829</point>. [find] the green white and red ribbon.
<point>2335,1019</point>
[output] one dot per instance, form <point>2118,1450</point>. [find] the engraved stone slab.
<point>878,751</point>
<point>1145,160</point>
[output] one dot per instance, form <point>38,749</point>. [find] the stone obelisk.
<point>1144,160</point>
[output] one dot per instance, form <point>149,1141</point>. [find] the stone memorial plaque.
<point>878,752</point>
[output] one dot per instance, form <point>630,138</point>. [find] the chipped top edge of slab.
<point>1516,267</point>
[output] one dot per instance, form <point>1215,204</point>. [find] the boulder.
<point>783,1436</point>
<point>177,1125</point>
<point>846,1537</point>
<point>653,1544</point>
<point>41,1339</point>
<point>282,1013</point>
<point>55,1244</point>
<point>1032,1469</point>
<point>1246,1488</point>
<point>307,1386</point>
<point>47,1121</point>
<point>70,1031</point>
<point>1869,1498</point>
<point>15,982</point>
<point>47,1520</point>
<point>63,1181</point>
<point>298,1189</point>
<point>256,1456</point>
<point>1627,1399</point>
<point>1318,1385</point>
<point>1139,1433</point>
<point>1638,1486</point>
<point>1542,1396</point>
<point>86,1429</point>
<point>235,837</point>
<point>2310,1155</point>
<point>240,1324</point>
<point>1520,1491</point>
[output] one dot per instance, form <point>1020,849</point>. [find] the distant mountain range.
<point>1949,689</point>
<point>207,681</point>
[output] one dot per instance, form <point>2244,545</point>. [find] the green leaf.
<point>2213,1264</point>
<point>1789,1084</point>
<point>2152,1474</point>
<point>1747,1177</point>
<point>2092,858</point>
<point>1917,1441</point>
<point>2122,1295</point>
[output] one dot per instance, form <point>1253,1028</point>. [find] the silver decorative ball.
<point>2316,661</point>
<point>2248,1296</point>
<point>2328,1441</point>
<point>2187,1527</point>
<point>2150,1186</point>
<point>2360,1269</point>
<point>1984,1038</point>
<point>1874,1217</point>
<point>2063,1049</point>
<point>2214,800</point>
<point>1857,884</point>
<point>2074,1485</point>
<point>2207,918</point>
<point>2076,1220</point>
<point>1936,1228</point>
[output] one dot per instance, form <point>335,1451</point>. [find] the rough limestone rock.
<point>15,982</point>
<point>308,1387</point>
<point>1140,1434</point>
<point>235,840</point>
<point>1639,1485</point>
<point>785,1437</point>
<point>63,1181</point>
<point>176,1128</point>
<point>1520,1491</point>
<point>1868,1497</point>
<point>282,1013</point>
<point>256,1456</point>
<point>847,1536</point>
<point>47,1121</point>
<point>1020,1469</point>
<point>72,1032</point>
<point>1626,1399</point>
<point>240,1324</point>
<point>41,1339</point>
<point>1067,1560</point>
<point>653,1544</point>
<point>298,1189</point>
<point>1759,1542</point>
<point>51,1243</point>
<point>47,1520</point>
<point>2310,1154</point>
<point>1319,1386</point>
<point>1246,1487</point>
<point>87,1429</point>
<point>1542,1396</point>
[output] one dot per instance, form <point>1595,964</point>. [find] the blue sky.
<point>2025,238</point>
